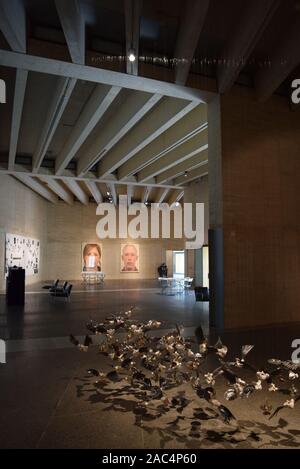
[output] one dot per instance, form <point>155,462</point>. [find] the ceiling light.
<point>108,193</point>
<point>185,174</point>
<point>131,56</point>
<point>177,204</point>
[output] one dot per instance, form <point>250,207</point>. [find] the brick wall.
<point>261,200</point>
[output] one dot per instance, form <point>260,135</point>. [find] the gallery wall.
<point>62,229</point>
<point>22,212</point>
<point>70,226</point>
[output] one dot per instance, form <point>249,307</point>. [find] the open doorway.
<point>178,264</point>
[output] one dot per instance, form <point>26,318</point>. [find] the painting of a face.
<point>129,258</point>
<point>91,257</point>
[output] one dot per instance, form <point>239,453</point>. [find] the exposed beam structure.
<point>192,175</point>
<point>191,163</point>
<point>146,194</point>
<point>132,28</point>
<point>185,151</point>
<point>97,59</point>
<point>72,21</point>
<point>68,176</point>
<point>60,100</point>
<point>188,37</point>
<point>37,187</point>
<point>100,75</point>
<point>112,190</point>
<point>58,189</point>
<point>256,17</point>
<point>186,128</point>
<point>129,180</point>
<point>176,196</point>
<point>284,60</point>
<point>132,110</point>
<point>163,116</point>
<point>161,195</point>
<point>96,106</point>
<point>102,189</point>
<point>20,88</point>
<point>13,24</point>
<point>93,188</point>
<point>77,190</point>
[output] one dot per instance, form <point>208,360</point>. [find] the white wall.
<point>25,213</point>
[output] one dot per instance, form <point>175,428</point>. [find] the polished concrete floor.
<point>46,400</point>
<point>46,316</point>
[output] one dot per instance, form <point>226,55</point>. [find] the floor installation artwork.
<point>75,395</point>
<point>156,378</point>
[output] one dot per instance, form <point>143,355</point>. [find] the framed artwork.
<point>23,252</point>
<point>130,257</point>
<point>91,255</point>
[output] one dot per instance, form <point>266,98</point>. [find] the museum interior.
<point>114,108</point>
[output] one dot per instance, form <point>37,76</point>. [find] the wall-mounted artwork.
<point>130,257</point>
<point>91,257</point>
<point>23,252</point>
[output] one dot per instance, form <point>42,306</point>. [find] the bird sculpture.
<point>156,364</point>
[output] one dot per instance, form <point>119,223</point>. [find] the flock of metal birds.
<point>157,364</point>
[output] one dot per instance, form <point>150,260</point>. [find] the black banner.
<point>140,458</point>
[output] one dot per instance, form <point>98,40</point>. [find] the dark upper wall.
<point>261,199</point>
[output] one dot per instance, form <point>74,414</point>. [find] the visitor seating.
<point>59,289</point>
<point>64,292</point>
<point>53,286</point>
<point>168,286</point>
<point>188,281</point>
<point>164,284</point>
<point>180,285</point>
<point>173,285</point>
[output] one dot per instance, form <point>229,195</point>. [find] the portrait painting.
<point>130,257</point>
<point>91,257</point>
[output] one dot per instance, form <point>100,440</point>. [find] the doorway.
<point>178,264</point>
